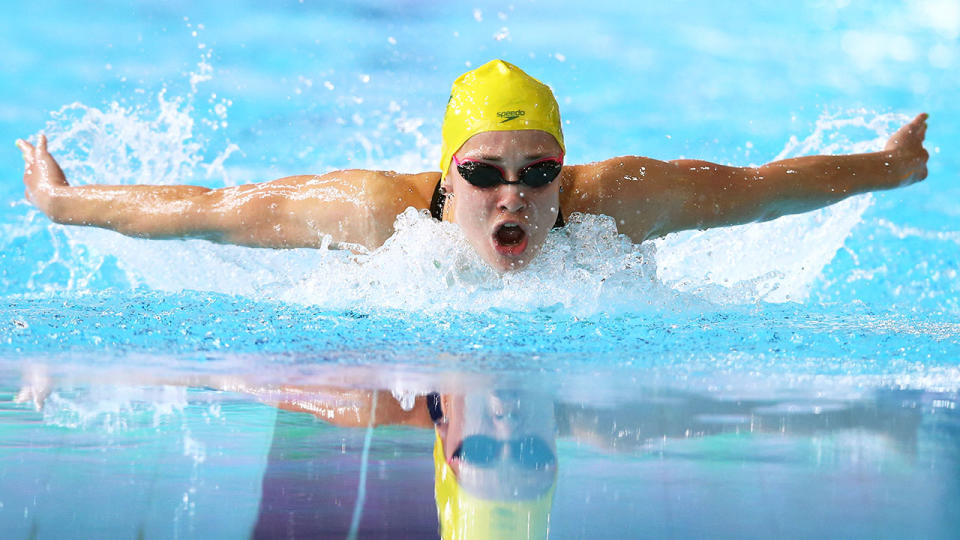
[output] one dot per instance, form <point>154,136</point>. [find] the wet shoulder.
<point>394,192</point>
<point>593,187</point>
<point>385,190</point>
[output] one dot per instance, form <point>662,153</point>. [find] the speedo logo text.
<point>510,115</point>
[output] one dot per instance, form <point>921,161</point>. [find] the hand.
<point>36,387</point>
<point>907,147</point>
<point>42,176</point>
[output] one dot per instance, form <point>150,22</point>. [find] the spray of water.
<point>585,268</point>
<point>429,266</point>
<point>780,260</point>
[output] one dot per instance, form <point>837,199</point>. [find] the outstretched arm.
<point>352,408</point>
<point>348,207</point>
<point>340,406</point>
<point>650,198</point>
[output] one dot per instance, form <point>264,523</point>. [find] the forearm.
<point>711,195</point>
<point>806,183</point>
<point>716,196</point>
<point>142,211</point>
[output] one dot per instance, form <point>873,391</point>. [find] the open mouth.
<point>510,239</point>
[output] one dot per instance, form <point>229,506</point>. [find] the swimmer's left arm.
<point>650,198</point>
<point>352,408</point>
<point>342,407</point>
<point>733,195</point>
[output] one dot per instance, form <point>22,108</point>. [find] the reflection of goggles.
<point>530,452</point>
<point>485,175</point>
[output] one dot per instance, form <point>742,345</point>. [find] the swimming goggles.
<point>486,175</point>
<point>531,453</point>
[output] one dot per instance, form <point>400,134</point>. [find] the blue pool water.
<point>795,378</point>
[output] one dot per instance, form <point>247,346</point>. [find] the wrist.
<point>56,203</point>
<point>907,166</point>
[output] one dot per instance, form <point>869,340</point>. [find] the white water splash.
<point>429,266</point>
<point>780,260</point>
<point>848,132</point>
<point>116,408</point>
<point>777,261</point>
<point>132,145</point>
<point>585,268</point>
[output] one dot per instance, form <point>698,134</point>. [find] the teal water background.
<point>164,90</point>
<point>217,95</point>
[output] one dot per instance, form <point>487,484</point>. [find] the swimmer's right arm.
<point>340,406</point>
<point>299,211</point>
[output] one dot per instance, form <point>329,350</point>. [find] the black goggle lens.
<point>540,174</point>
<point>482,451</point>
<point>479,174</point>
<point>533,453</point>
<point>484,175</point>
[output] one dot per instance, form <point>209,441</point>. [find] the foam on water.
<point>164,142</point>
<point>585,268</point>
<point>114,408</point>
<point>429,266</point>
<point>775,262</point>
<point>191,453</point>
<point>779,260</point>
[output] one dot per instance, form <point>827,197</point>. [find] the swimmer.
<point>502,179</point>
<point>495,442</point>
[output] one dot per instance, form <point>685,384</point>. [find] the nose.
<point>511,198</point>
<point>505,411</point>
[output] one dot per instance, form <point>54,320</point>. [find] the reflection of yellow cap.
<point>465,516</point>
<point>496,96</point>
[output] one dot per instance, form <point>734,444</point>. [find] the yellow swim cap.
<point>465,516</point>
<point>497,96</point>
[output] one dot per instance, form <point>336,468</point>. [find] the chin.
<point>501,265</point>
<point>518,264</point>
<point>504,263</point>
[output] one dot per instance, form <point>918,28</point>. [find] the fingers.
<point>916,128</point>
<point>920,124</point>
<point>41,149</point>
<point>27,150</point>
<point>24,145</point>
<point>910,135</point>
<point>33,153</point>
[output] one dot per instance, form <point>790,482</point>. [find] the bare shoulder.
<point>387,190</point>
<point>631,189</point>
<point>350,207</point>
<point>394,192</point>
<point>358,182</point>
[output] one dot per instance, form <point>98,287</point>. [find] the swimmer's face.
<point>501,417</point>
<point>506,224</point>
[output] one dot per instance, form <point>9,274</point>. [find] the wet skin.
<point>357,209</point>
<point>482,212</point>
<point>504,416</point>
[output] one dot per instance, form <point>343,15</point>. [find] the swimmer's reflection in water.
<point>495,461</point>
<point>494,454</point>
<point>495,464</point>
